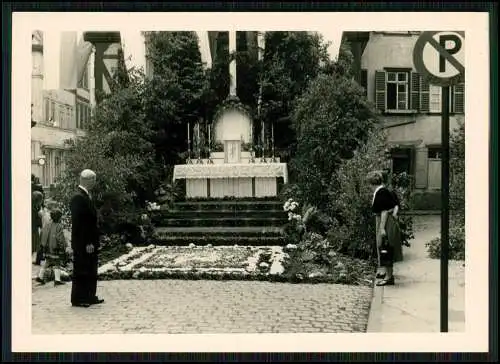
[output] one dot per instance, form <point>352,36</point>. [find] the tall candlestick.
<point>232,64</point>
<point>251,132</point>
<point>263,142</point>
<point>272,139</point>
<point>189,144</point>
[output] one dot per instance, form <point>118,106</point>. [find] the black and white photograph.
<point>244,178</point>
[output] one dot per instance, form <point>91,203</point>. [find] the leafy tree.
<point>291,60</point>
<point>332,119</point>
<point>117,146</point>
<point>174,95</point>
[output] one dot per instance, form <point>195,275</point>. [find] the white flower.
<point>129,246</point>
<point>263,265</point>
<point>291,246</point>
<point>315,274</point>
<point>209,245</point>
<point>192,245</point>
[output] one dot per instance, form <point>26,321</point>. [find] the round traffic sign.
<point>440,57</point>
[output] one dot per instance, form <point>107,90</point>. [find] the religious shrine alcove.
<point>230,168</point>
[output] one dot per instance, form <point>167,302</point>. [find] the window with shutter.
<point>397,90</point>
<point>415,91</point>
<point>424,95</point>
<point>459,98</point>
<point>435,99</point>
<point>380,90</point>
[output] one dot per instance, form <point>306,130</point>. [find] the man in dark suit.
<point>84,243</point>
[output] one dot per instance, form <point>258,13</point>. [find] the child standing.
<point>53,244</point>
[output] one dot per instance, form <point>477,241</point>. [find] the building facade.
<point>410,108</point>
<point>59,115</point>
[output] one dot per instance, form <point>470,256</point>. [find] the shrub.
<point>349,199</point>
<point>332,119</point>
<point>402,186</point>
<point>456,250</point>
<point>457,200</point>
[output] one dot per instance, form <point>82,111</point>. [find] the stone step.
<point>222,213</point>
<point>225,221</point>
<point>229,205</point>
<point>221,240</point>
<point>210,232</point>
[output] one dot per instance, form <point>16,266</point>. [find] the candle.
<point>263,137</point>
<point>209,139</point>
<point>272,133</point>
<point>188,130</point>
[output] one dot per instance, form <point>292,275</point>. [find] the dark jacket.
<point>84,228</point>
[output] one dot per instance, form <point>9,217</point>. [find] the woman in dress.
<point>388,234</point>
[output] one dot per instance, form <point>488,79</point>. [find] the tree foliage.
<point>291,60</point>
<point>457,168</point>
<point>331,120</point>
<point>117,146</point>
<point>174,95</point>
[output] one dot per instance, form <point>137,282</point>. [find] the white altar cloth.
<point>231,170</point>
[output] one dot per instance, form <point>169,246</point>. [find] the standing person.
<point>84,243</point>
<point>53,245</point>
<point>37,186</point>
<point>36,224</point>
<point>388,234</point>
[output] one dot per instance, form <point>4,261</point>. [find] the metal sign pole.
<point>426,66</point>
<point>445,194</point>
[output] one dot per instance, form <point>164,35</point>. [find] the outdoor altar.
<point>235,171</point>
<point>231,168</point>
<point>231,180</point>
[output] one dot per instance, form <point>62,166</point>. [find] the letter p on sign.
<point>440,57</point>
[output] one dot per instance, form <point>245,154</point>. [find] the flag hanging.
<point>68,61</point>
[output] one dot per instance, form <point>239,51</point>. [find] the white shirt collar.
<point>375,193</point>
<point>83,188</point>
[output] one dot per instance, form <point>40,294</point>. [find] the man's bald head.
<point>88,179</point>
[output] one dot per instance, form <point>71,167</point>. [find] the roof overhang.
<point>358,37</point>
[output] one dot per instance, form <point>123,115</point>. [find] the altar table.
<point>231,179</point>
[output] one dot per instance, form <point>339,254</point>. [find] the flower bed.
<point>196,262</point>
<point>271,263</point>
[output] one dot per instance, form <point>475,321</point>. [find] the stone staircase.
<point>222,222</point>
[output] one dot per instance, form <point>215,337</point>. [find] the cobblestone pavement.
<point>178,306</point>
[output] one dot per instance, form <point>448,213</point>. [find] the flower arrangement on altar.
<point>152,206</point>
<point>217,147</point>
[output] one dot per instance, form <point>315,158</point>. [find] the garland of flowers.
<point>232,103</point>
